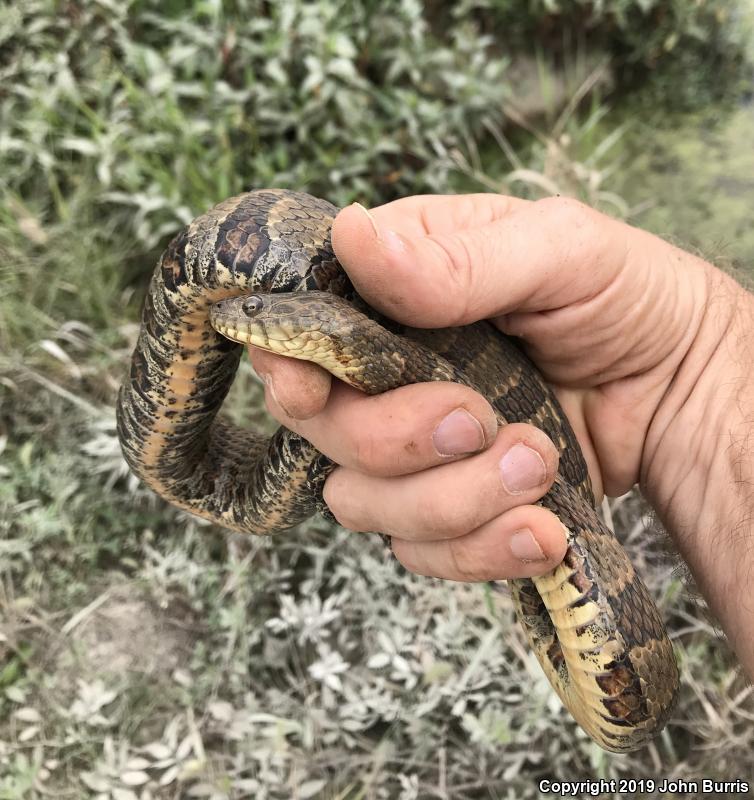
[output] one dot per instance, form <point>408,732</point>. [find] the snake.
<point>260,269</point>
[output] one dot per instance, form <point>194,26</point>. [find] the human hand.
<point>634,335</point>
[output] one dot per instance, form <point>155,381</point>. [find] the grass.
<point>145,654</point>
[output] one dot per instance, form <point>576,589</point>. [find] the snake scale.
<point>591,622</point>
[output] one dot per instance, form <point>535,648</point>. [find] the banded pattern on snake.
<point>591,621</point>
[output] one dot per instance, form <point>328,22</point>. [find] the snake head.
<point>283,322</point>
<point>313,326</point>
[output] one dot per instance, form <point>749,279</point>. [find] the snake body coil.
<point>591,622</point>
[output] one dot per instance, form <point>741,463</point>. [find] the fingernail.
<point>522,468</point>
<point>266,378</point>
<point>369,217</point>
<point>389,239</point>
<point>457,434</point>
<point>524,547</point>
<point>269,383</point>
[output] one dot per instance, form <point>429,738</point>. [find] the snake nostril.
<point>252,305</point>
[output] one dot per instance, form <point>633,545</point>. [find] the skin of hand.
<point>648,348</point>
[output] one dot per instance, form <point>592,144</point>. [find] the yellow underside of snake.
<point>591,622</point>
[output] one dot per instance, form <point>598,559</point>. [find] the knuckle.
<point>458,261</point>
<point>465,560</point>
<point>443,517</point>
<point>574,223</point>
<point>567,211</point>
<point>368,453</point>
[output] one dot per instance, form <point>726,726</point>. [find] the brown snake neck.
<point>591,622</point>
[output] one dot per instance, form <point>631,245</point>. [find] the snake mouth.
<point>257,334</point>
<point>228,326</point>
<point>225,318</point>
<point>231,331</point>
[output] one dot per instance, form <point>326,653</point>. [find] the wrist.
<point>698,465</point>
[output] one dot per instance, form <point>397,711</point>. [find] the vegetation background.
<point>145,654</point>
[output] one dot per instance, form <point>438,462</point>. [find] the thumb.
<point>442,261</point>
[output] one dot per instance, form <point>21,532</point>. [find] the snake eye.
<point>252,305</point>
